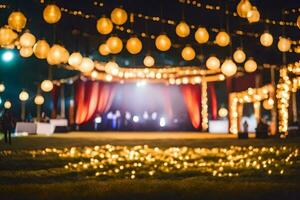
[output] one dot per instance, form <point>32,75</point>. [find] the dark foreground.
<point>84,168</point>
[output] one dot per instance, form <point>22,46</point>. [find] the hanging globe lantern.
<point>115,44</point>
<point>52,14</point>
<point>87,65</point>
<point>17,21</point>
<point>7,36</point>
<point>298,21</point>
<point>2,87</point>
<point>223,112</point>
<point>253,15</point>
<point>26,52</point>
<point>27,40</point>
<point>163,42</point>
<point>228,67</point>
<point>250,65</point>
<point>149,61</point>
<point>104,50</point>
<point>284,44</point>
<point>243,8</point>
<point>24,96</point>
<point>112,68</point>
<point>268,104</point>
<point>66,55</point>
<point>104,25</point>
<point>201,35</point>
<point>222,39</point>
<point>56,54</point>
<point>47,85</point>
<point>134,45</point>
<point>75,59</point>
<point>41,49</point>
<point>188,53</point>
<point>266,39</point>
<point>39,100</point>
<point>239,56</point>
<point>182,29</point>
<point>213,63</point>
<point>118,16</point>
<point>7,104</point>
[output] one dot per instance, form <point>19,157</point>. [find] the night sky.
<point>27,73</point>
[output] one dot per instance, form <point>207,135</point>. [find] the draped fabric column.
<point>54,95</point>
<point>92,97</point>
<point>213,101</point>
<point>192,100</point>
<point>167,101</point>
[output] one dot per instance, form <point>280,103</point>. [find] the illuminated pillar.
<point>294,106</point>
<point>62,101</point>
<point>257,112</point>
<point>273,96</point>
<point>240,107</point>
<point>204,106</point>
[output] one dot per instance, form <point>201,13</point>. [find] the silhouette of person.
<point>245,126</point>
<point>7,125</point>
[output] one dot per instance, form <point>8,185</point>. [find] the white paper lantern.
<point>266,39</point>
<point>75,59</point>
<point>213,63</point>
<point>250,65</point>
<point>47,85</point>
<point>228,67</point>
<point>87,65</point>
<point>24,96</point>
<point>239,56</point>
<point>7,104</point>
<point>39,100</point>
<point>149,61</point>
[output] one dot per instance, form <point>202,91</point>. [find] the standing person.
<point>245,126</point>
<point>7,125</point>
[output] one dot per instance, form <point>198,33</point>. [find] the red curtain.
<point>92,97</point>
<point>192,100</point>
<point>213,100</point>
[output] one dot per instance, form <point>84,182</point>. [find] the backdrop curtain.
<point>192,99</point>
<point>213,100</point>
<point>92,97</point>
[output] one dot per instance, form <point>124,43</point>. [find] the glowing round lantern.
<point>284,44</point>
<point>243,8</point>
<point>87,65</point>
<point>112,68</point>
<point>115,44</point>
<point>182,29</point>
<point>134,45</point>
<point>163,42</point>
<point>201,35</point>
<point>223,112</point>
<point>188,53</point>
<point>7,104</point>
<point>75,59</point>
<point>66,55</point>
<point>253,15</point>
<point>17,21</point>
<point>228,67</point>
<point>52,14</point>
<point>2,87</point>
<point>118,16</point>
<point>24,96</point>
<point>239,56</point>
<point>41,49</point>
<point>266,39</point>
<point>26,52</point>
<point>55,55</point>
<point>222,39</point>
<point>104,50</point>
<point>250,65</point>
<point>39,100</point>
<point>47,85</point>
<point>149,61</point>
<point>7,36</point>
<point>104,25</point>
<point>27,40</point>
<point>268,104</point>
<point>213,63</point>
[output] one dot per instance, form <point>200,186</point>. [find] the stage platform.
<point>144,135</point>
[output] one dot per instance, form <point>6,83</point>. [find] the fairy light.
<point>252,95</point>
<point>204,106</point>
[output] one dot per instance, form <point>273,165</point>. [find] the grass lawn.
<point>87,168</point>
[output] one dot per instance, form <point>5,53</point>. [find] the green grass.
<point>43,176</point>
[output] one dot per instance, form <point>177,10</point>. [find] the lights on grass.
<point>135,119</point>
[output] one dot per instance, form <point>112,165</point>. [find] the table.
<point>44,128</point>
<point>59,122</point>
<point>218,126</point>
<point>26,127</point>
